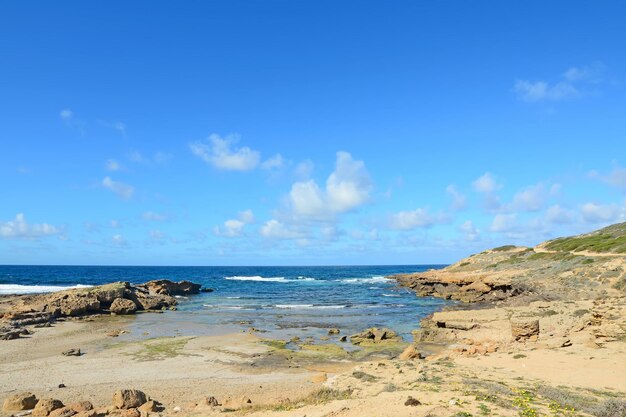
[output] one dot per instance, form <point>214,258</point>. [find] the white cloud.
<point>66,114</point>
<point>156,235</point>
<point>503,223</point>
<point>459,200</point>
<point>616,178</point>
<point>19,228</point>
<point>573,83</point>
<point>418,218</point>
<point>273,229</point>
<point>275,162</point>
<point>112,165</point>
<point>221,154</point>
<point>469,230</point>
<point>124,191</point>
<point>558,215</point>
<point>532,198</point>
<point>599,213</point>
<point>486,184</point>
<point>154,217</point>
<point>304,169</point>
<point>235,227</point>
<point>347,188</point>
<point>118,240</point>
<point>541,90</point>
<point>246,216</point>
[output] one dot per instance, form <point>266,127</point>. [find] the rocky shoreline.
<point>19,314</point>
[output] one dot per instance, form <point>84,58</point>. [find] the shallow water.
<point>282,301</point>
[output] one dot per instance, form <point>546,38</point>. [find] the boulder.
<point>62,412</point>
<point>150,407</point>
<point>410,353</point>
<point>333,331</point>
<point>72,352</point>
<point>107,293</point>
<point>131,412</point>
<point>375,335</point>
<point>45,406</point>
<point>88,413</point>
<point>123,306</point>
<point>146,301</point>
<point>129,398</point>
<point>72,304</point>
<point>167,287</point>
<point>81,406</point>
<point>19,402</point>
<point>522,330</point>
<point>10,333</point>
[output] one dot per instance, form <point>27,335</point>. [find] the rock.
<point>177,409</point>
<point>123,306</point>
<point>206,289</point>
<point>21,401</point>
<point>88,413</point>
<point>212,401</point>
<point>62,412</point>
<point>149,407</point>
<point>525,329</point>
<point>45,406</point>
<point>10,333</point>
<point>128,398</point>
<point>147,301</point>
<point>107,293</point>
<point>456,325</point>
<point>375,335</point>
<point>410,353</point>
<point>333,331</point>
<point>237,403</point>
<point>72,352</point>
<point>412,402</point>
<point>61,386</point>
<point>167,287</point>
<point>81,406</point>
<point>72,303</point>
<point>343,339</point>
<point>131,412</point>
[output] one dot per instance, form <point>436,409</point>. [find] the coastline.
<point>480,353</point>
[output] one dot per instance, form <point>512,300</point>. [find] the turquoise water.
<point>283,301</point>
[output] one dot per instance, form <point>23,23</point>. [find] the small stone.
<point>61,386</point>
<point>149,407</point>
<point>412,402</point>
<point>72,352</point>
<point>131,412</point>
<point>176,409</point>
<point>343,339</point>
<point>333,331</point>
<point>410,353</point>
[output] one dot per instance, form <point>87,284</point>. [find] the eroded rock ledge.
<point>19,311</point>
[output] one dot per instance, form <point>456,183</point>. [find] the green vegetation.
<point>484,410</point>
<point>519,356</point>
<point>524,401</point>
<point>610,239</point>
<point>364,376</point>
<point>160,348</point>
<point>504,248</point>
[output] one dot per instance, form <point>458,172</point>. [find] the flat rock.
<point>19,402</point>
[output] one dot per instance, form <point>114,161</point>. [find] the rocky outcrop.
<point>375,335</point>
<point>410,353</point>
<point>115,298</point>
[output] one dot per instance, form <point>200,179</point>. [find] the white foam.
<point>372,280</point>
<point>308,306</point>
<point>35,289</point>
<point>391,295</point>
<point>257,278</point>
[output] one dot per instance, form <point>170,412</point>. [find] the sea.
<point>278,301</point>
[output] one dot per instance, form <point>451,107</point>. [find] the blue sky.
<point>282,132</point>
